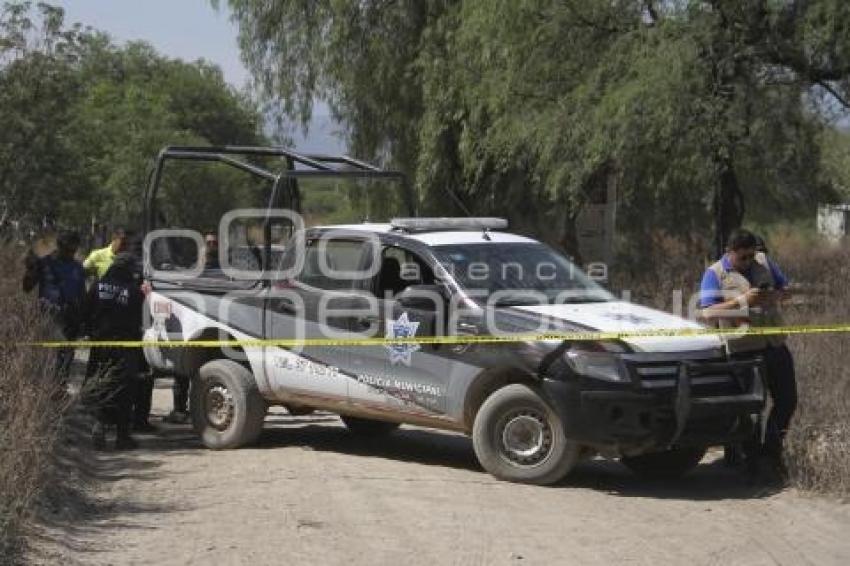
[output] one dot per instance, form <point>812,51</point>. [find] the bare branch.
<point>800,64</point>
<point>835,94</point>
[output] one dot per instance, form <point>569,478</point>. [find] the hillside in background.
<point>324,135</point>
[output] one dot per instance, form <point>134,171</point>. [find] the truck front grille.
<point>708,378</point>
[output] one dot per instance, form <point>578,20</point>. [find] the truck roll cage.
<point>285,180</point>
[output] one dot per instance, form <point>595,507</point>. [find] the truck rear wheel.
<point>669,464</point>
<point>519,437</point>
<point>227,408</point>
<point>368,427</point>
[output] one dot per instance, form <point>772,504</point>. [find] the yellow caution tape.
<point>464,339</point>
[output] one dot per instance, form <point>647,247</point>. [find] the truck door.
<point>403,377</point>
<point>296,309</point>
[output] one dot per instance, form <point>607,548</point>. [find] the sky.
<point>189,30</point>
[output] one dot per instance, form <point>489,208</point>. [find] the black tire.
<point>520,415</point>
<point>227,408</point>
<point>368,427</point>
<point>670,464</point>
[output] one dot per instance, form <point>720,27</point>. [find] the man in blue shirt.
<point>744,286</point>
<point>61,283</point>
<point>711,294</point>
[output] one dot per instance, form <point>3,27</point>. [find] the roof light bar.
<point>444,224</point>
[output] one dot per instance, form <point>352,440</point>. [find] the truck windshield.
<point>515,274</point>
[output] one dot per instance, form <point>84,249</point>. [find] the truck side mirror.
<point>421,297</point>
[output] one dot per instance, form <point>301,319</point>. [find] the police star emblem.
<point>401,328</point>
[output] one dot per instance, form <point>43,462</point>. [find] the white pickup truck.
<point>532,408</point>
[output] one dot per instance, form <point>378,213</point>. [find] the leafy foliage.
<point>81,119</point>
<point>691,108</point>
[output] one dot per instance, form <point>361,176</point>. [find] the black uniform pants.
<point>781,383</point>
<point>142,391</point>
<point>108,391</point>
<point>180,390</point>
<point>142,398</point>
<point>67,329</point>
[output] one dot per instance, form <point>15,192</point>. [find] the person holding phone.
<point>745,287</point>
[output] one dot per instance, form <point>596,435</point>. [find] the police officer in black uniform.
<point>115,313</point>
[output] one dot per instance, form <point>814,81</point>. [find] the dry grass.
<point>818,448</point>
<point>31,408</point>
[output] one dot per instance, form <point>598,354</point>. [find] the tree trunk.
<point>728,205</point>
<point>569,237</point>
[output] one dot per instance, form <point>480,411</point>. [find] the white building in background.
<point>834,221</point>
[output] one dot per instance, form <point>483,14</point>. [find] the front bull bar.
<point>752,401</point>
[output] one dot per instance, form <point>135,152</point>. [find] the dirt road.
<point>312,494</point>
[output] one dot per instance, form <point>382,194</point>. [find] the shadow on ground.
<point>712,480</point>
<point>71,513</point>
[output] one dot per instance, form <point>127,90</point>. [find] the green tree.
<point>360,57</point>
<point>81,119</point>
<point>691,108</point>
<point>137,102</point>
<point>37,89</point>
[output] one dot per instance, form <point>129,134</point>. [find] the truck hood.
<point>619,316</point>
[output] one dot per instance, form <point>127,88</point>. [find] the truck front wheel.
<point>227,408</point>
<point>519,437</point>
<point>669,464</point>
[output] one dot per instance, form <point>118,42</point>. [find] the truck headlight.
<point>597,360</point>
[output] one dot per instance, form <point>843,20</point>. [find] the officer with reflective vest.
<point>98,261</point>
<point>744,288</point>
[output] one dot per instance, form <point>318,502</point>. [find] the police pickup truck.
<point>532,408</point>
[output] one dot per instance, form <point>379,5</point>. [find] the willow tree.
<point>693,109</point>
